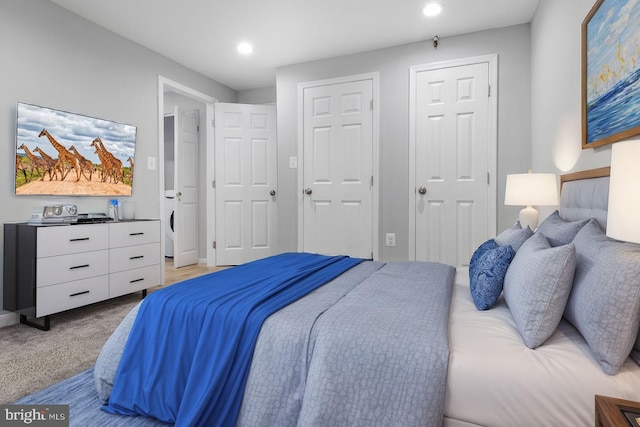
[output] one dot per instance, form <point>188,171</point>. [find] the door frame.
<point>167,85</point>
<point>375,80</point>
<point>492,167</point>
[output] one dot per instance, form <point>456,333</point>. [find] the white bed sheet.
<point>495,380</point>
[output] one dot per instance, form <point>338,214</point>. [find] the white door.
<point>246,182</point>
<point>338,169</point>
<point>185,217</point>
<point>452,162</point>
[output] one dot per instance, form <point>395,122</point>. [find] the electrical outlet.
<point>391,239</point>
<point>293,162</point>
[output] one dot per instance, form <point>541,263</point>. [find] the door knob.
<point>307,191</point>
<point>272,192</point>
<point>422,190</point>
<point>178,194</point>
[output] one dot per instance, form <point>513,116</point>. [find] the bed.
<point>354,351</point>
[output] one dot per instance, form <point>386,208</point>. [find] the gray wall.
<point>556,89</point>
<point>512,44</point>
<point>56,59</point>
<point>263,95</point>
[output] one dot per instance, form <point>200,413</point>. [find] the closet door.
<point>453,199</point>
<point>246,182</point>
<point>337,206</point>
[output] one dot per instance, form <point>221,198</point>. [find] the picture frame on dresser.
<point>53,268</point>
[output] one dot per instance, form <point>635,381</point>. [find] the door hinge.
<point>488,178</point>
<point>489,95</point>
<point>371,105</point>
<point>214,245</point>
<point>213,184</point>
<point>372,180</point>
<point>213,123</point>
<point>371,255</point>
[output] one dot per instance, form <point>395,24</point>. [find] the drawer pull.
<point>137,280</point>
<point>136,234</point>
<point>137,257</point>
<point>79,293</point>
<point>79,239</point>
<point>79,266</point>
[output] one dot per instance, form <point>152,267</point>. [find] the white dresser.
<point>49,269</point>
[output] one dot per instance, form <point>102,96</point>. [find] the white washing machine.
<point>169,204</point>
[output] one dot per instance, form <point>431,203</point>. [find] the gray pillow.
<point>558,231</point>
<point>604,304</point>
<point>104,373</point>
<point>537,286</point>
<point>514,236</point>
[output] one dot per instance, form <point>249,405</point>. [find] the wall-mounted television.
<point>66,154</point>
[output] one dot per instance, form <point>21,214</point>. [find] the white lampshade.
<point>531,189</point>
<point>623,221</point>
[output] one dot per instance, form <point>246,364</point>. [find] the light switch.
<point>151,163</point>
<point>391,239</point>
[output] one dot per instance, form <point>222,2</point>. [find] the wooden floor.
<point>174,275</point>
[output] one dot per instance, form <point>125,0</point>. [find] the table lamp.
<point>623,222</point>
<point>529,189</point>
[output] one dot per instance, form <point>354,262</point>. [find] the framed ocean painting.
<point>610,72</point>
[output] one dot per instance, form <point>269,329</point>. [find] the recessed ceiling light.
<point>245,48</point>
<point>432,9</point>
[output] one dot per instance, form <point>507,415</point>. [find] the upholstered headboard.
<point>585,195</point>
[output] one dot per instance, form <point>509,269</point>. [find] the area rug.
<point>84,406</point>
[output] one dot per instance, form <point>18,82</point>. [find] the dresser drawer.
<point>129,281</point>
<point>130,257</point>
<point>65,268</point>
<point>65,296</point>
<point>134,233</point>
<point>71,239</point>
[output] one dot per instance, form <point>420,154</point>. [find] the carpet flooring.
<point>31,359</point>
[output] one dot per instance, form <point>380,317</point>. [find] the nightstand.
<point>613,412</point>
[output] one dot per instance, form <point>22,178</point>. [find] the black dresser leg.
<point>45,326</point>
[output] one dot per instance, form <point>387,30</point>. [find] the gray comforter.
<point>370,348</point>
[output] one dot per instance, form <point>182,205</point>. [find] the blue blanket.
<point>188,355</point>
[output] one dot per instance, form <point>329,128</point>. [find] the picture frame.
<point>610,73</point>
<point>633,417</point>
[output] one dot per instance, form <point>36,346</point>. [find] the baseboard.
<point>8,319</point>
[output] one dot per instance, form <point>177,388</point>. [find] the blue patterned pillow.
<point>604,304</point>
<point>473,263</point>
<point>558,231</point>
<point>514,236</point>
<point>537,286</point>
<point>488,276</point>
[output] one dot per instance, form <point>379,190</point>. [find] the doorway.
<point>338,180</point>
<point>246,182</point>
<point>452,153</point>
<point>171,95</point>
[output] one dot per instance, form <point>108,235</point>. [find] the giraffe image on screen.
<point>66,154</point>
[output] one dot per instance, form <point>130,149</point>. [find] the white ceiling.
<point>203,34</point>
